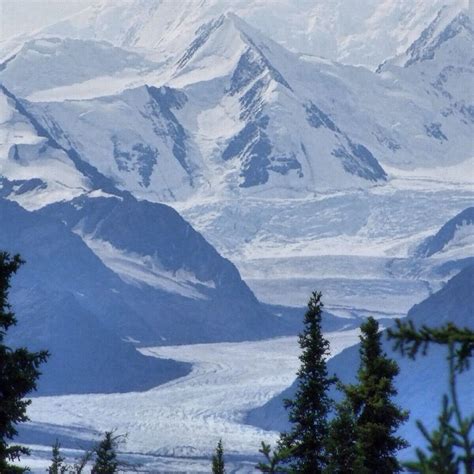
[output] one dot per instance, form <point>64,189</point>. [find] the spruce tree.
<point>452,444</point>
<point>309,409</point>
<point>377,416</point>
<point>106,455</point>
<point>57,461</point>
<point>19,371</point>
<point>341,443</point>
<point>410,340</point>
<point>218,465</point>
<point>82,462</point>
<point>441,457</point>
<point>274,460</point>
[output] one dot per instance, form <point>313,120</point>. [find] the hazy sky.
<point>23,16</point>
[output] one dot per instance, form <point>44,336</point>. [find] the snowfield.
<point>176,425</point>
<point>355,246</point>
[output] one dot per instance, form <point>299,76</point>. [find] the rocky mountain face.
<point>69,303</point>
<point>189,293</point>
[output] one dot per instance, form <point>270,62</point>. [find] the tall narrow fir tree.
<point>377,416</point>
<point>309,409</point>
<point>106,455</point>
<point>218,465</point>
<point>57,461</point>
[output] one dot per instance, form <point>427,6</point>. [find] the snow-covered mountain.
<point>233,112</point>
<point>53,62</point>
<point>442,60</point>
<point>228,134</point>
<point>140,143</point>
<point>435,40</point>
<point>349,31</point>
<point>69,303</point>
<point>33,166</point>
<point>453,239</point>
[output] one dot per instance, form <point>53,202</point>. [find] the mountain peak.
<point>35,169</point>
<point>233,48</point>
<point>451,30</point>
<point>442,29</point>
<point>45,63</point>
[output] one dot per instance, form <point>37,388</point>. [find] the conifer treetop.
<point>309,408</point>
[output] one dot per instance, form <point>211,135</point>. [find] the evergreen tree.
<point>409,340</point>
<point>377,417</point>
<point>82,462</point>
<point>442,458</point>
<point>309,409</point>
<point>19,370</point>
<point>342,442</point>
<point>218,465</point>
<point>57,461</point>
<point>106,455</point>
<point>274,461</point>
<point>452,444</point>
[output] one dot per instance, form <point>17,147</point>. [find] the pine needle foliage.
<point>410,340</point>
<point>19,371</point>
<point>342,442</point>
<point>441,457</point>
<point>452,444</point>
<point>218,464</point>
<point>308,410</point>
<point>57,461</point>
<point>377,416</point>
<point>274,460</point>
<point>106,455</point>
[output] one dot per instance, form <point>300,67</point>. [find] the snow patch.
<point>145,270</point>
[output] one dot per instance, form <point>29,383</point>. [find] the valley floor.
<point>175,426</point>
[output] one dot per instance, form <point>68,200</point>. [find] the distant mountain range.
<point>234,113</point>
<point>349,32</point>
